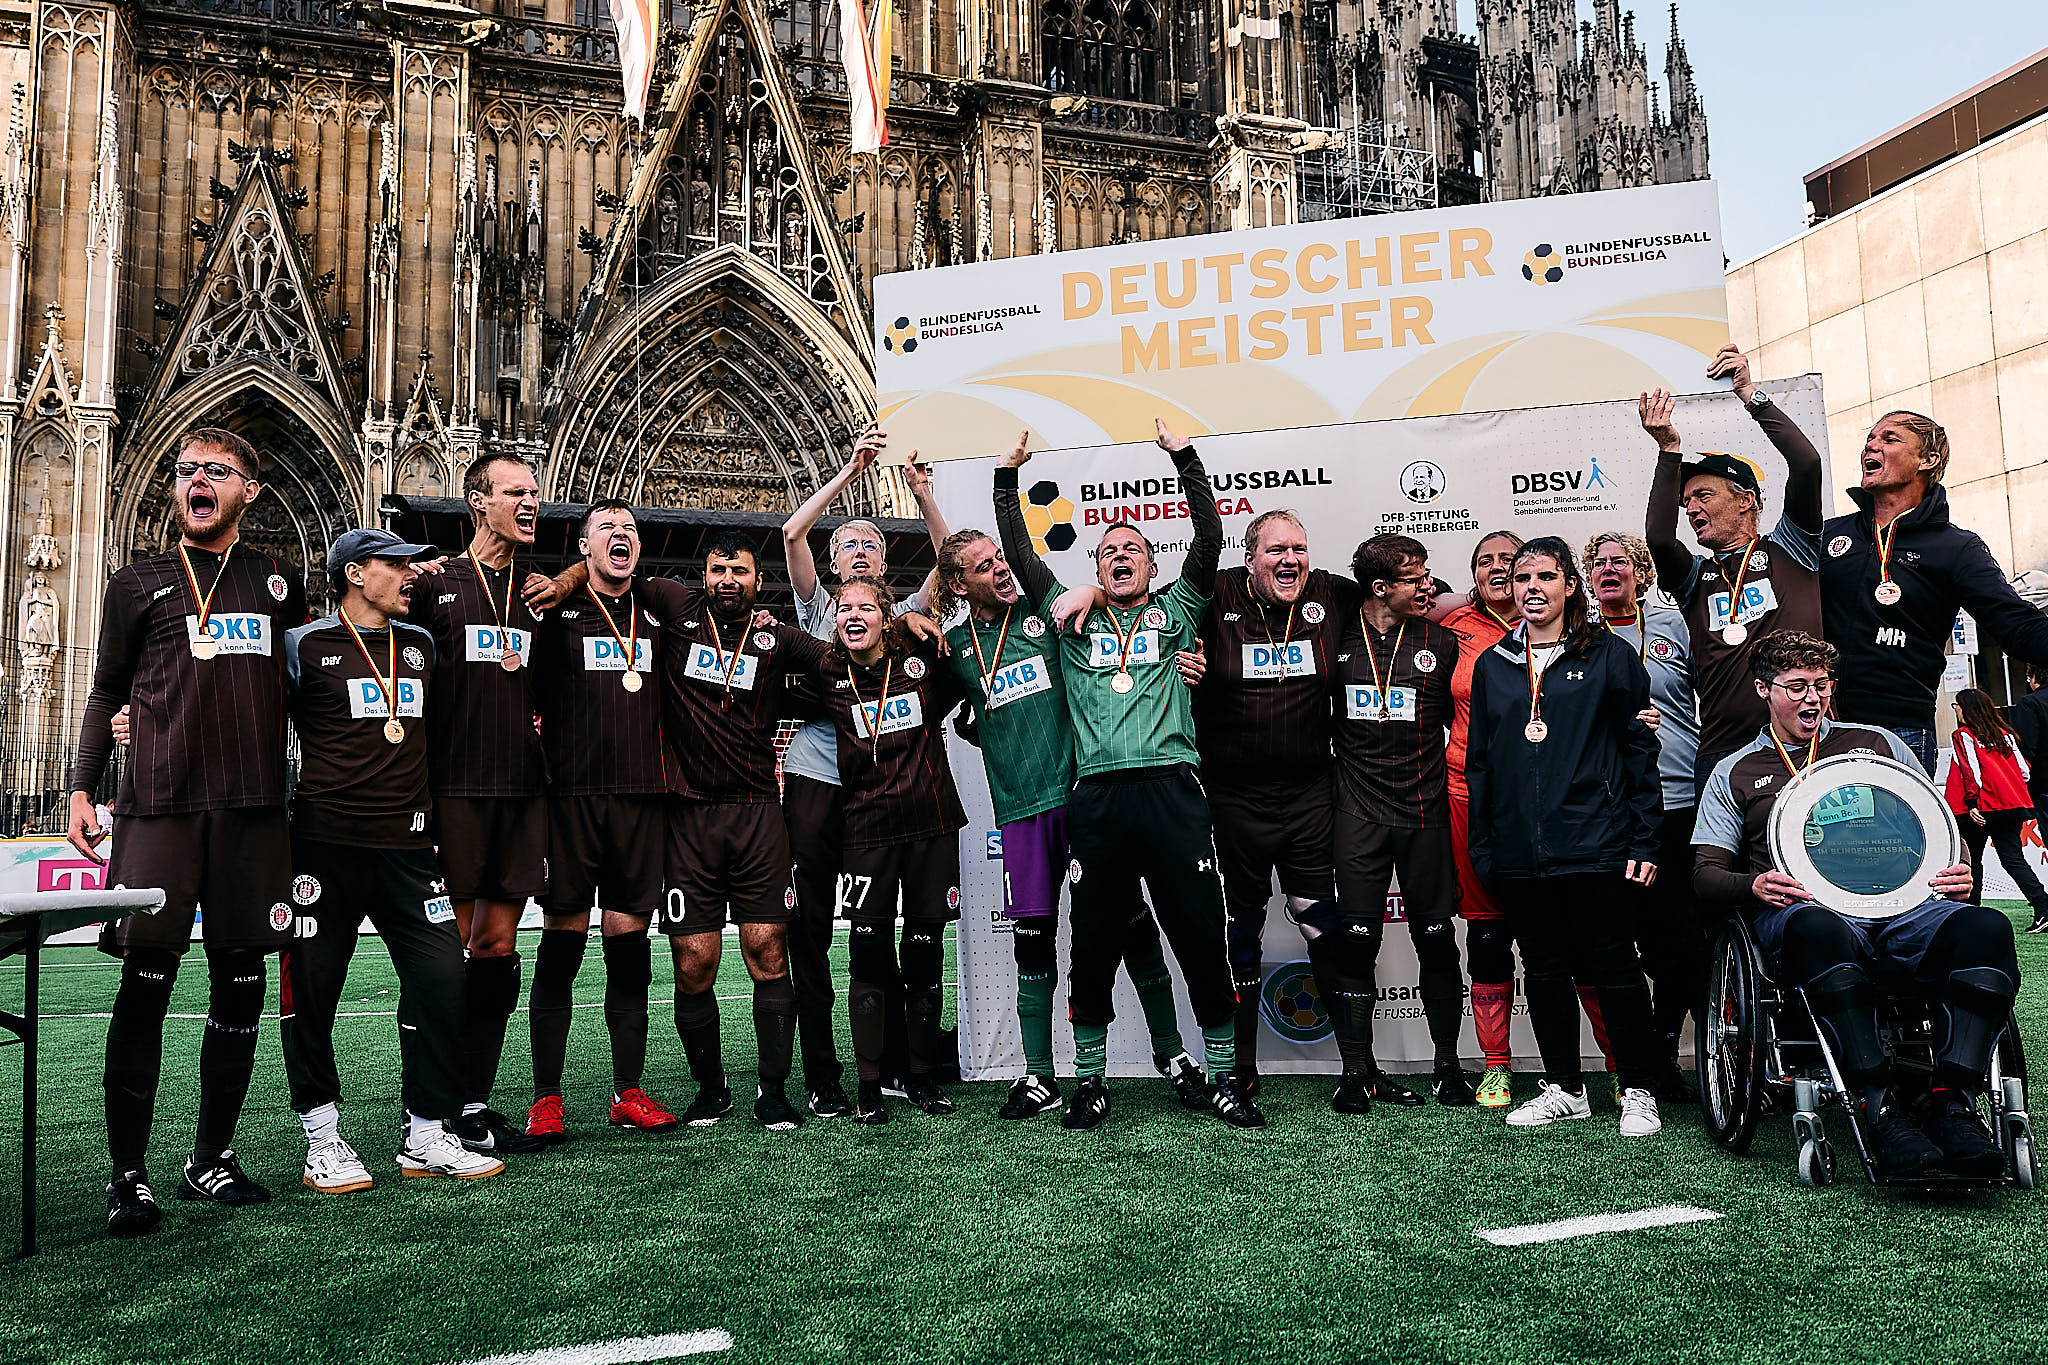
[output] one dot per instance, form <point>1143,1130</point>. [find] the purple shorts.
<point>1034,863</point>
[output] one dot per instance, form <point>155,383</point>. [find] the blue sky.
<point>1791,85</point>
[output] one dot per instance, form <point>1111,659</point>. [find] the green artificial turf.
<point>1164,1237</point>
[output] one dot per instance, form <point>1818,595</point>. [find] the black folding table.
<point>27,919</point>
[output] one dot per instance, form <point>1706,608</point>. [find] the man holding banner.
<point>1138,810</point>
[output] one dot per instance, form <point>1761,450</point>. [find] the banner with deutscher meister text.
<point>1483,308</point>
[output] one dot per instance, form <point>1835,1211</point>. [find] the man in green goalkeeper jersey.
<point>1137,810</point>
<point>1007,659</point>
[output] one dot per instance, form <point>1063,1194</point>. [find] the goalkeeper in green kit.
<point>1137,810</point>
<point>1006,656</point>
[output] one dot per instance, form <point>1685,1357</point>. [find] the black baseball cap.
<point>1736,470</point>
<point>353,547</point>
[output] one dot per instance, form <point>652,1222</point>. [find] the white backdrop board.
<point>1569,471</point>
<point>1476,308</point>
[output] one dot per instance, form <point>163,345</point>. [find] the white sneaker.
<point>1639,1114</point>
<point>1552,1102</point>
<point>442,1153</point>
<point>332,1167</point>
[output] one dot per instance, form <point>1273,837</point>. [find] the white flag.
<point>639,26</point>
<point>864,49</point>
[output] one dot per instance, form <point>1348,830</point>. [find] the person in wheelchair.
<point>1960,954</point>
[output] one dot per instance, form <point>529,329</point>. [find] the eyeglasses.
<point>873,547</point>
<point>215,470</point>
<point>1800,691</point>
<point>1418,581</point>
<point>1611,563</point>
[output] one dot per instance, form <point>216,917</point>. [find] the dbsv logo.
<point>1293,1004</point>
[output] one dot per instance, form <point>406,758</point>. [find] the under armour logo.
<point>1575,674</point>
<point>1205,865</point>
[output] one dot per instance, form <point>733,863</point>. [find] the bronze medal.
<point>1123,681</point>
<point>630,680</point>
<point>394,732</point>
<point>205,647</point>
<point>509,660</point>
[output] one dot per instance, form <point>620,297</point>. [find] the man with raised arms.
<point>1138,811</point>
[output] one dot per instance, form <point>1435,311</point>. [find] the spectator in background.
<point>1988,790</point>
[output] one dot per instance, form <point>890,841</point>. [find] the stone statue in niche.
<point>38,616</point>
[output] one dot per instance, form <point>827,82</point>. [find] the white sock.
<point>419,1131</point>
<point>322,1124</point>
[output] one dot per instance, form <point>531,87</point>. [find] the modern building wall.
<point>1932,296</point>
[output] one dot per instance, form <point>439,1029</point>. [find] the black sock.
<point>628,971</point>
<point>549,1007</point>
<point>697,1026</point>
<point>491,993</point>
<point>924,959</point>
<point>774,1027</point>
<point>135,1052</point>
<point>227,1047</point>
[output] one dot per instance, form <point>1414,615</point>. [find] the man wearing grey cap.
<point>362,845</point>
<point>1747,584</point>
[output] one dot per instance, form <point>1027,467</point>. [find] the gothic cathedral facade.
<point>381,236</point>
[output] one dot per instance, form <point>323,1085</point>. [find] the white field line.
<point>669,1346</point>
<point>386,1014</point>
<point>1663,1216</point>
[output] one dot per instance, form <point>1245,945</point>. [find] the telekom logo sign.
<point>70,874</point>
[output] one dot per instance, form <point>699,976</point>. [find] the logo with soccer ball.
<point>899,337</point>
<point>1293,1004</point>
<point>1049,517</point>
<point>1543,265</point>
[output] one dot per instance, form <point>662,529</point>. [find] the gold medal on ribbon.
<point>204,646</point>
<point>386,683</point>
<point>629,645</point>
<point>394,731</point>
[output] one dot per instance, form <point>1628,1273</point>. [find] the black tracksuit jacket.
<point>1892,656</point>
<point>1587,798</point>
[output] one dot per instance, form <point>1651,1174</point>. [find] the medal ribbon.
<point>988,671</point>
<point>1812,747</point>
<point>1735,590</point>
<point>718,644</point>
<point>1883,536</point>
<point>1287,632</point>
<point>390,688</point>
<point>631,644</point>
<point>881,705</point>
<point>1124,642</point>
<point>500,617</point>
<point>1535,678</point>
<point>205,603</point>
<point>1642,632</point>
<point>1372,662</point>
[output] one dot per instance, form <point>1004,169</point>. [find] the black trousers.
<point>2001,829</point>
<point>1149,825</point>
<point>1668,934</point>
<point>401,892</point>
<point>1579,926</point>
<point>817,821</point>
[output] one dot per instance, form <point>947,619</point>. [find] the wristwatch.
<point>1757,399</point>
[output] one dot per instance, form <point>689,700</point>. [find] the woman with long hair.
<point>1562,771</point>
<point>1480,621</point>
<point>1988,790</point>
<point>887,695</point>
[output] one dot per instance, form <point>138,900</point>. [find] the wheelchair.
<point>1760,1051</point>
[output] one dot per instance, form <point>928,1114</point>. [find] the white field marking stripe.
<point>667,1347</point>
<point>386,1014</point>
<point>1663,1216</point>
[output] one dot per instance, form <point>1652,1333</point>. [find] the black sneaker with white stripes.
<point>132,1209</point>
<point>828,1101</point>
<point>1226,1102</point>
<point>1186,1078</point>
<point>1030,1097</point>
<point>773,1109</point>
<point>713,1103</point>
<point>220,1181</point>
<point>487,1130</point>
<point>1089,1107</point>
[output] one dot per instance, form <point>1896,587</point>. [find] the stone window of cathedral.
<point>1102,47</point>
<point>811,27</point>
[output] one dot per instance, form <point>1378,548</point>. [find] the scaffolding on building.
<point>1361,169</point>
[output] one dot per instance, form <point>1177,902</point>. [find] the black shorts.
<point>605,850</point>
<point>726,854</point>
<point>926,873</point>
<point>493,848</point>
<point>1369,854</point>
<point>235,864</point>
<point>1276,827</point>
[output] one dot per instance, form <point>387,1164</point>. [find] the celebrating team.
<point>1539,759</point>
